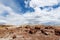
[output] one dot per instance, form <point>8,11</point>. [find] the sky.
<point>18,12</point>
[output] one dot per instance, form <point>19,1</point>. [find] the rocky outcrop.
<point>30,32</point>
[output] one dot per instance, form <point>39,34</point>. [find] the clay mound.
<point>28,32</point>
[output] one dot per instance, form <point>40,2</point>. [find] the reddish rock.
<point>30,32</point>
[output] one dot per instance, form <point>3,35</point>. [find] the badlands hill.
<point>29,32</point>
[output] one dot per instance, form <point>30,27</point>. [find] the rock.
<point>30,32</point>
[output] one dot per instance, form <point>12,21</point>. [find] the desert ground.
<point>29,32</point>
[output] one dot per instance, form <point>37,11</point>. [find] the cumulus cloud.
<point>37,17</point>
<point>43,16</point>
<point>40,3</point>
<point>11,18</point>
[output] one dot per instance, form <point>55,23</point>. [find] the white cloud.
<point>40,3</point>
<point>12,18</point>
<point>43,16</point>
<point>37,17</point>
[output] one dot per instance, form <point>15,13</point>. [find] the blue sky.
<point>18,12</point>
<point>17,5</point>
